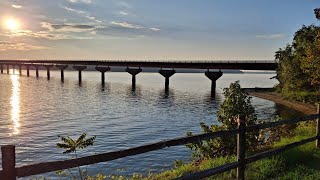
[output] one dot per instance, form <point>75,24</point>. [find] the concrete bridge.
<point>166,68</point>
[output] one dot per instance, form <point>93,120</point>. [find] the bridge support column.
<point>1,68</point>
<point>37,69</point>
<point>20,71</point>
<point>79,68</point>
<point>7,68</point>
<point>102,70</point>
<point>48,67</point>
<point>167,74</point>
<point>133,72</point>
<point>62,68</point>
<point>213,76</point>
<point>28,67</point>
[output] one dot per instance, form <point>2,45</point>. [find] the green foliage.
<point>299,64</point>
<point>317,13</point>
<point>298,163</point>
<point>310,97</point>
<point>236,102</point>
<point>71,146</point>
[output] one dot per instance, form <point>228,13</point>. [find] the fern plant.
<point>71,146</point>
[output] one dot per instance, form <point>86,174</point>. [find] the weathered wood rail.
<point>10,172</point>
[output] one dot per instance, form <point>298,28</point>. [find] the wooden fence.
<point>10,172</point>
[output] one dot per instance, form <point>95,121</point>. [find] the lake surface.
<point>35,111</point>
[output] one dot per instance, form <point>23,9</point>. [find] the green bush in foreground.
<point>236,102</point>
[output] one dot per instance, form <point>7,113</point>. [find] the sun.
<point>11,24</point>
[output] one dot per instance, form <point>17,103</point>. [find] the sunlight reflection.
<point>15,104</point>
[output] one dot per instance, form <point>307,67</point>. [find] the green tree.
<point>317,13</point>
<point>299,64</point>
<point>71,146</point>
<point>236,102</point>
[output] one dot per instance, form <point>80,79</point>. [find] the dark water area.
<point>35,111</point>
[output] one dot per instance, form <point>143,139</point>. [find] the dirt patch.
<point>305,108</point>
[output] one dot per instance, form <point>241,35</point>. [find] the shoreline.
<point>267,94</point>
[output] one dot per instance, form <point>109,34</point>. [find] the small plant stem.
<point>75,152</point>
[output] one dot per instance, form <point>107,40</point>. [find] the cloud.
<point>154,29</point>
<point>126,25</point>
<point>123,13</point>
<point>83,13</point>
<point>270,36</point>
<point>126,30</point>
<point>19,46</point>
<point>51,35</point>
<point>81,1</point>
<point>29,33</point>
<point>67,27</point>
<point>16,6</point>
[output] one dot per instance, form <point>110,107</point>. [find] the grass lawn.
<point>298,163</point>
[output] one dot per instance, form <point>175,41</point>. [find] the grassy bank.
<point>298,163</point>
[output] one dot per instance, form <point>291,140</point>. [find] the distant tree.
<point>317,13</point>
<point>236,102</point>
<point>289,73</point>
<point>71,146</point>
<point>307,45</point>
<point>299,63</point>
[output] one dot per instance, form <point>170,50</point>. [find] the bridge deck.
<point>243,65</point>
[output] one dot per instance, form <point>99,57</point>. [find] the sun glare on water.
<point>11,24</point>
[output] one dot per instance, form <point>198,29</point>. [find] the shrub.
<point>236,102</point>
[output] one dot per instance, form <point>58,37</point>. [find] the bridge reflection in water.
<point>166,68</point>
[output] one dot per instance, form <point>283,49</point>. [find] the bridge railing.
<point>10,171</point>
<point>144,61</point>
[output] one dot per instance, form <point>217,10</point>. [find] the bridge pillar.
<point>62,68</point>
<point>7,68</point>
<point>48,67</point>
<point>79,68</point>
<point>167,74</point>
<point>213,76</point>
<point>20,71</point>
<point>1,68</point>
<point>28,67</point>
<point>102,70</point>
<point>37,69</point>
<point>13,69</point>
<point>133,72</point>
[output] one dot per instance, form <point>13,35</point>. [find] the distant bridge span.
<point>242,65</point>
<point>166,68</point>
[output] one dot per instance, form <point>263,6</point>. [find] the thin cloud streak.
<point>19,46</point>
<point>83,14</point>
<point>81,1</point>
<point>67,27</point>
<point>16,6</point>
<point>270,36</point>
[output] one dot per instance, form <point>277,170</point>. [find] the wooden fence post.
<point>318,127</point>
<point>8,162</point>
<point>241,142</point>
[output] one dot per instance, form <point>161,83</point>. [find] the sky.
<point>150,29</point>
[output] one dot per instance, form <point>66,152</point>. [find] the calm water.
<point>35,111</point>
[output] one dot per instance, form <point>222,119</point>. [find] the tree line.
<point>298,69</point>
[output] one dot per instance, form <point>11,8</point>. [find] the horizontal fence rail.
<point>104,157</point>
<point>11,172</point>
